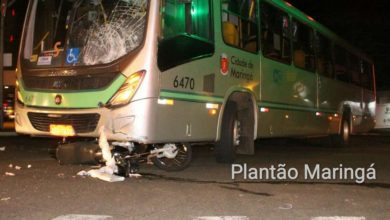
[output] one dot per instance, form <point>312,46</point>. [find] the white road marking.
<point>222,218</point>
<point>339,218</point>
<point>286,206</point>
<point>83,217</point>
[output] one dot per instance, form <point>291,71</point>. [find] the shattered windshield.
<point>83,32</point>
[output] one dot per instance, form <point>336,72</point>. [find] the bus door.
<point>239,59</point>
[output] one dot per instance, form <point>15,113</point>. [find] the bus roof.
<point>288,7</point>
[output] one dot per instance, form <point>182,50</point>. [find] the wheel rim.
<point>236,132</point>
<point>180,159</point>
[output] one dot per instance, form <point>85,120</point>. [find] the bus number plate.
<point>62,130</point>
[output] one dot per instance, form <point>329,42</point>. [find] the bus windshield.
<point>82,32</point>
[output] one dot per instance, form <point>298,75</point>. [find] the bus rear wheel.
<point>342,138</point>
<point>181,161</point>
<point>226,147</point>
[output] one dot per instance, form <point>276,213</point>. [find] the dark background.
<point>363,23</point>
<point>13,25</point>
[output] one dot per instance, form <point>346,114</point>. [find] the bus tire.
<point>225,148</point>
<point>180,162</point>
<point>342,138</point>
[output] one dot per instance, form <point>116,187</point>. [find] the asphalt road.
<point>42,189</point>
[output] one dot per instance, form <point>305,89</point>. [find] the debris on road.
<point>106,173</point>
<point>10,165</point>
<point>5,198</point>
<point>286,206</point>
<point>135,175</point>
<point>2,148</point>
<point>9,174</point>
<point>106,151</point>
<point>18,168</point>
<point>101,174</point>
<point>29,166</point>
<point>61,175</point>
<point>82,173</point>
<point>83,217</point>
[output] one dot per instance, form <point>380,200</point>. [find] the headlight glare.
<point>126,92</point>
<point>19,96</point>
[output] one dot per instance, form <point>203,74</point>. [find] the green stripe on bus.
<point>72,99</point>
<point>294,107</point>
<point>193,97</point>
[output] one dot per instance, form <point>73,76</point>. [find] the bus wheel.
<point>342,139</point>
<point>180,162</point>
<point>226,147</point>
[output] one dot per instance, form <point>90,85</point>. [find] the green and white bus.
<point>169,72</point>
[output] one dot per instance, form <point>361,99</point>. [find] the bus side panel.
<point>207,86</point>
<point>369,110</point>
<point>184,116</point>
<point>198,88</point>
<point>334,95</point>
<point>382,116</point>
<point>185,122</point>
<point>290,94</point>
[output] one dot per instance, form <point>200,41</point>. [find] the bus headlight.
<point>126,92</point>
<point>19,96</point>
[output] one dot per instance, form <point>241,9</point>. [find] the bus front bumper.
<point>120,124</point>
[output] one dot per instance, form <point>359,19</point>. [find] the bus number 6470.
<point>184,82</point>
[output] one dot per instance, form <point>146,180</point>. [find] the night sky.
<point>363,23</point>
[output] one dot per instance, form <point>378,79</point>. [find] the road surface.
<point>42,189</point>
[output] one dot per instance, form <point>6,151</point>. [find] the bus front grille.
<point>82,123</point>
<point>63,83</point>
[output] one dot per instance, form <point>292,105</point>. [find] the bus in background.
<point>382,116</point>
<point>171,73</point>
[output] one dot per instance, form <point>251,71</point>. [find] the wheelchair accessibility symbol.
<point>72,55</point>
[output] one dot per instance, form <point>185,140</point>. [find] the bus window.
<point>340,60</point>
<point>275,33</point>
<point>192,18</point>
<point>324,56</point>
<point>303,46</point>
<point>46,35</point>
<point>186,32</point>
<point>83,33</point>
<point>354,69</point>
<point>239,24</point>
